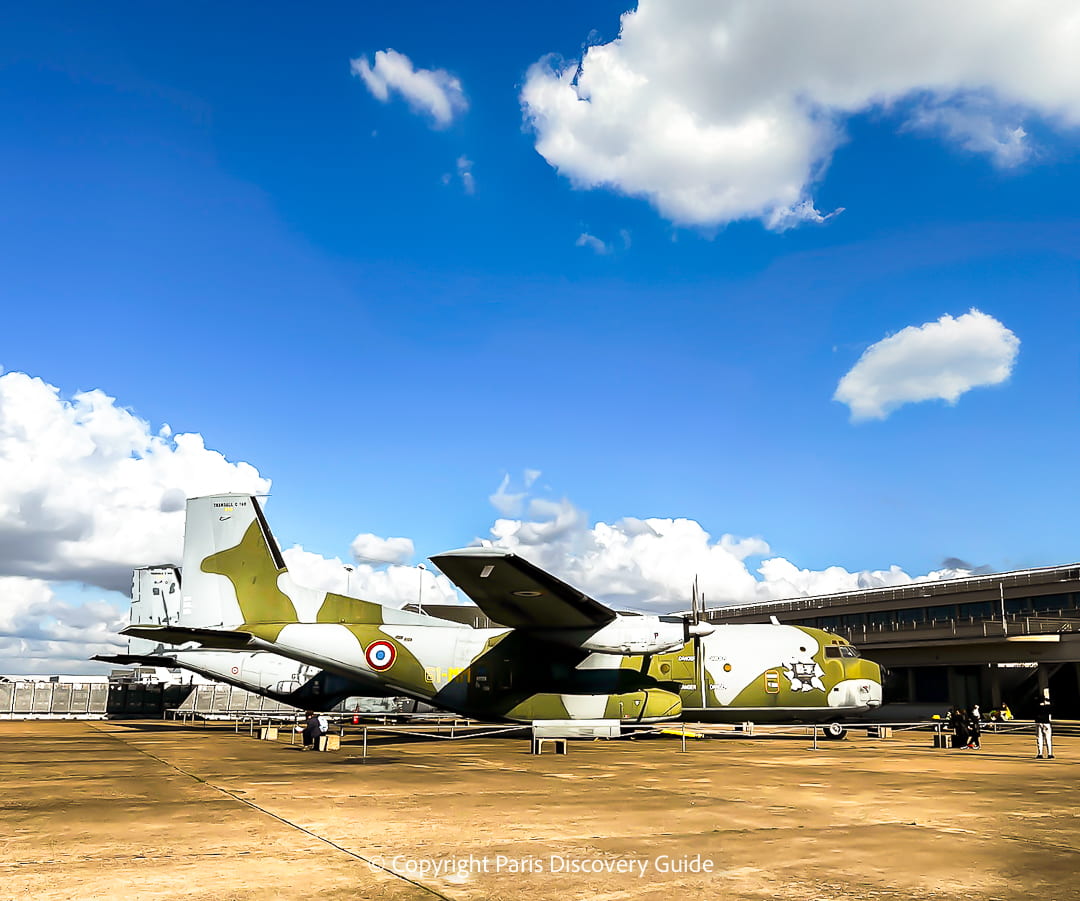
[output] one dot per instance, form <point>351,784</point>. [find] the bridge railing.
<point>970,627</point>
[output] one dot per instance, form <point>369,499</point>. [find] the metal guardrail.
<point>1014,625</point>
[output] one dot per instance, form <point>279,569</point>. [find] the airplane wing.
<point>210,638</point>
<point>516,593</point>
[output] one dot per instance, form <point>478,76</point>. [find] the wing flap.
<point>519,594</point>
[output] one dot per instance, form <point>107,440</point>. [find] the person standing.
<point>974,729</point>
<point>1042,730</point>
<point>311,731</point>
<point>959,728</point>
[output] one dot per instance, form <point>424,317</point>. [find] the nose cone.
<point>700,629</point>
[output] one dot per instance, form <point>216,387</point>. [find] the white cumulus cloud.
<point>432,91</point>
<point>935,361</point>
<point>368,548</point>
<point>393,586</point>
<point>724,111</point>
<point>88,491</point>
<point>595,244</point>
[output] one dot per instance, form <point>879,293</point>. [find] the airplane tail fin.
<point>232,565</point>
<point>155,601</point>
<point>235,575</point>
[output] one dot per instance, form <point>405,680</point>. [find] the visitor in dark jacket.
<point>1042,730</point>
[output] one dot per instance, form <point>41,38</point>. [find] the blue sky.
<point>207,216</point>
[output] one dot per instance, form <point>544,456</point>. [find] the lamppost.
<point>420,590</point>
<point>348,580</point>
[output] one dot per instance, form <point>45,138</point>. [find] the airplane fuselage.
<point>760,672</point>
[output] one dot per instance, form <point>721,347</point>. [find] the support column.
<point>1043,676</point>
<point>911,686</point>
<point>956,687</point>
<point>995,687</point>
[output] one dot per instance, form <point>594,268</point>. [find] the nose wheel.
<point>833,731</point>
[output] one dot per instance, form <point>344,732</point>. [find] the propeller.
<point>697,628</point>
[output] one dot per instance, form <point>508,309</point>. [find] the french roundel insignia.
<point>380,655</point>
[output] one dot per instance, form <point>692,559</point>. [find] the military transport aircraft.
<point>562,655</point>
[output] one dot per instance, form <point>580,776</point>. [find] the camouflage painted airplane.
<point>561,655</point>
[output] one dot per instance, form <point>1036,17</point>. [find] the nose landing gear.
<point>833,731</point>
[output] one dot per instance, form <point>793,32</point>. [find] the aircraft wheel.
<point>834,731</point>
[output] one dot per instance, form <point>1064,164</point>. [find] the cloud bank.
<point>434,92</point>
<point>41,634</point>
<point>716,112</point>
<point>935,361</point>
<point>88,491</point>
<point>650,564</point>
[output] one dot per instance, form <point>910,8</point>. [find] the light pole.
<point>420,590</point>
<point>348,580</point>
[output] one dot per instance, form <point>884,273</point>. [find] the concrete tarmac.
<point>149,810</point>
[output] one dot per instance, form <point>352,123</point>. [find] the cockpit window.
<point>832,650</point>
<point>840,650</point>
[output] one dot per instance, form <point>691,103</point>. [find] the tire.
<point>834,731</point>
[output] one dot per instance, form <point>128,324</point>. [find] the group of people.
<point>966,728</point>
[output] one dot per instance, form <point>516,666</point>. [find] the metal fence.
<point>211,701</point>
<point>30,699</point>
<point>53,700</point>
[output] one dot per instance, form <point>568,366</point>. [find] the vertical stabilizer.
<point>155,600</point>
<point>232,565</point>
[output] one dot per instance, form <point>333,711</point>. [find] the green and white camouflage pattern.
<point>237,594</point>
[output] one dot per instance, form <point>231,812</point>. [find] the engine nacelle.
<point>633,635</point>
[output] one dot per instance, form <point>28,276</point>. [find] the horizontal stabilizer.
<point>224,639</point>
<point>519,594</point>
<point>137,660</point>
